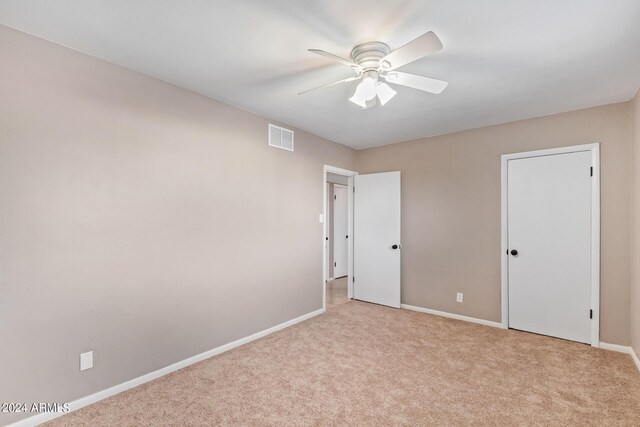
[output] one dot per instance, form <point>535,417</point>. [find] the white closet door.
<point>549,241</point>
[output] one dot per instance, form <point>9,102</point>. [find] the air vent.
<point>280,137</point>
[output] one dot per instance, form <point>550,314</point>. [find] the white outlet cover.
<point>86,360</point>
<point>460,297</point>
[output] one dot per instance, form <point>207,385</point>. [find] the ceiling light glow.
<point>366,91</point>
<point>367,88</point>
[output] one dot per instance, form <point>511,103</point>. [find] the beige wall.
<point>451,210</point>
<point>635,262</point>
<point>141,221</point>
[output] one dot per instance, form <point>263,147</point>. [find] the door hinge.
<point>353,279</point>
<point>354,189</point>
<point>335,264</point>
<point>591,171</point>
<point>590,314</point>
<point>335,197</point>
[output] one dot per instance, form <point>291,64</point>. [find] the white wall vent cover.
<point>280,137</point>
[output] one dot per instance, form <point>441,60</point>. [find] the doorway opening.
<point>338,236</point>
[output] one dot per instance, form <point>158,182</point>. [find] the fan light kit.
<point>375,65</point>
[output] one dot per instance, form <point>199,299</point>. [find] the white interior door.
<point>327,225</point>
<point>549,245</point>
<point>376,237</point>
<point>340,231</point>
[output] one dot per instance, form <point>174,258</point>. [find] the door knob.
<point>514,252</point>
<point>394,247</point>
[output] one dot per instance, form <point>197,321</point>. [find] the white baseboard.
<point>635,358</point>
<point>615,347</point>
<point>603,345</point>
<point>96,397</point>
<point>622,349</point>
<point>453,316</point>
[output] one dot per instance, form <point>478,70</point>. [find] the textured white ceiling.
<point>505,60</point>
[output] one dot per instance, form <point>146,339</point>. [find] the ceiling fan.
<point>375,65</point>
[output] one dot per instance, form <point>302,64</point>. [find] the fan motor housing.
<point>368,55</point>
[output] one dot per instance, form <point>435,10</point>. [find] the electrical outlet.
<point>459,297</point>
<point>86,360</point>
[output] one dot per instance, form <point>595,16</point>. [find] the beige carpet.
<point>363,364</point>
<point>337,292</point>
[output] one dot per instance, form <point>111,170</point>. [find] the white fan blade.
<point>417,82</point>
<point>350,79</point>
<point>337,58</point>
<point>424,45</point>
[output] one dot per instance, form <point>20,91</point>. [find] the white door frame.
<point>325,256</point>
<point>595,231</point>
